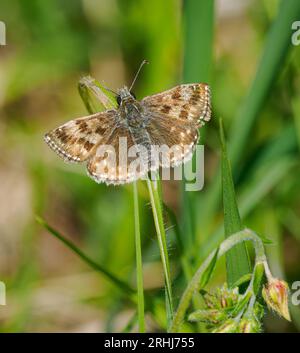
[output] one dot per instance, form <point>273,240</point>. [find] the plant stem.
<point>155,199</point>
<point>225,246</point>
<point>139,263</point>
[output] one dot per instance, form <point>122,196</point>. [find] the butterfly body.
<point>131,110</point>
<point>171,118</point>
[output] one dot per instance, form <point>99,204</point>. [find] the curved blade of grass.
<point>156,204</point>
<point>139,263</point>
<point>237,259</point>
<point>99,268</point>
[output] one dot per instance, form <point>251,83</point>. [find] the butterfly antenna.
<point>137,74</point>
<point>110,90</point>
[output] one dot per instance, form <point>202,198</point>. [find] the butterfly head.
<point>125,95</point>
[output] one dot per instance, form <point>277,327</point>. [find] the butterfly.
<point>171,119</point>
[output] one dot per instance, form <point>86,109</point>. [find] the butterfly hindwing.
<point>180,144</point>
<point>119,160</point>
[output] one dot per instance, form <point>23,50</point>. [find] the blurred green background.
<point>51,44</point>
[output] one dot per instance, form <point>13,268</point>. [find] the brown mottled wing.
<point>76,140</point>
<point>174,118</point>
<point>187,103</point>
<point>118,161</point>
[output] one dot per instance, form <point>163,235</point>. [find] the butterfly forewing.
<point>186,103</point>
<point>174,118</point>
<point>76,140</point>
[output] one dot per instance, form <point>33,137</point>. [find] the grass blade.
<point>155,199</point>
<point>139,263</point>
<point>237,259</point>
<point>99,268</point>
<point>209,271</point>
<point>198,40</point>
<point>198,17</point>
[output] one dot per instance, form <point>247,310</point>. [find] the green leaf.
<point>209,270</point>
<point>242,280</point>
<point>241,304</point>
<point>266,240</point>
<point>96,97</point>
<point>237,259</point>
<point>258,274</point>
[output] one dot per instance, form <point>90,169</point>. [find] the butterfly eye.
<point>133,95</point>
<point>119,100</point>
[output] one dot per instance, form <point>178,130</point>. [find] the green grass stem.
<point>155,199</point>
<point>139,263</point>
